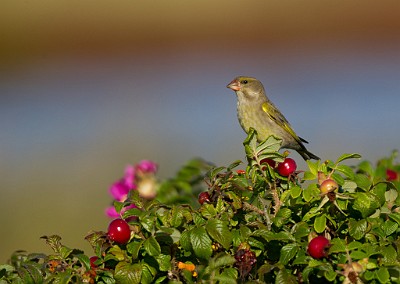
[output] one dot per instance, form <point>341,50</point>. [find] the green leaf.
<point>185,241</point>
<point>148,274</point>
<point>134,198</point>
<point>126,273</point>
<point>395,217</point>
<point>176,216</point>
<point>337,245</point>
<point>295,191</point>
<point>201,243</point>
<point>133,212</point>
<point>349,186</point>
<point>313,166</point>
<point>389,227</point>
<point>366,167</point>
<point>134,247</point>
<point>223,260</point>
<point>347,156</point>
<point>389,255</point>
<point>320,223</point>
<point>118,206</point>
<point>383,275</point>
<point>288,252</point>
<point>30,273</point>
<point>151,246</point>
<point>346,170</point>
<point>362,181</point>
<point>208,211</point>
<point>301,230</point>
<point>220,232</point>
<point>357,229</point>
<point>285,277</point>
<point>84,259</point>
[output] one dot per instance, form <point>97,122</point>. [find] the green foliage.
<point>255,228</point>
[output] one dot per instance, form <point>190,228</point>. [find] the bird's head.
<point>249,87</point>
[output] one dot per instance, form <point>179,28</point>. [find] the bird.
<point>255,110</point>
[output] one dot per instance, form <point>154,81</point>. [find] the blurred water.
<point>70,124</point>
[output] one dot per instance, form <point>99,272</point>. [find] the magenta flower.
<point>119,190</point>
<point>129,176</point>
<point>147,166</point>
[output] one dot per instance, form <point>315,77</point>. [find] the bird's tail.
<point>307,155</point>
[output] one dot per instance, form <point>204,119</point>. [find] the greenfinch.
<point>255,110</point>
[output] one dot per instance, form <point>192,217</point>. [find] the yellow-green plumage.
<point>256,111</point>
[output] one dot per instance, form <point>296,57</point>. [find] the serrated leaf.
<point>295,191</point>
<point>84,259</point>
<point>223,260</point>
<point>133,248</point>
<point>362,181</point>
<point>220,232</point>
<point>148,274</point>
<point>366,167</point>
<point>288,251</point>
<point>346,170</point>
<point>151,246</point>
<point>185,241</point>
<point>349,186</point>
<point>176,216</point>
<point>134,198</point>
<point>320,223</point>
<point>234,165</point>
<point>201,242</point>
<point>118,206</point>
<point>133,212</point>
<point>301,230</point>
<point>208,211</point>
<point>357,229</point>
<point>348,156</point>
<point>282,217</point>
<point>389,255</point>
<point>354,245</point>
<point>383,275</point>
<point>126,273</point>
<point>395,217</point>
<point>313,166</point>
<point>285,277</point>
<point>230,274</point>
<point>389,227</point>
<point>30,273</point>
<point>337,245</point>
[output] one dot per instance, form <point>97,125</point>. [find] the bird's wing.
<point>278,117</point>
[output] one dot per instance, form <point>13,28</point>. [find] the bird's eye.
<point>245,81</point>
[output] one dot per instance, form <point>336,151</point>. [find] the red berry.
<point>204,197</point>
<point>391,175</point>
<point>287,167</point>
<point>268,161</point>
<point>119,231</point>
<point>318,246</point>
<point>92,260</point>
<point>328,185</point>
<point>241,172</point>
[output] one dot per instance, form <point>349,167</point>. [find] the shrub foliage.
<point>253,227</point>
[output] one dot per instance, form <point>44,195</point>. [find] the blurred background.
<point>87,87</point>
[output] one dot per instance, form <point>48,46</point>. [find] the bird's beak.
<point>234,85</point>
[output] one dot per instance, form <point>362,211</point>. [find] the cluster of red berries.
<point>245,259</point>
<point>286,168</point>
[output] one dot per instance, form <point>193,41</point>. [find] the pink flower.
<point>112,213</point>
<point>129,176</point>
<point>119,190</point>
<point>147,166</point>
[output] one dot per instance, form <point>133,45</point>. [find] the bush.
<point>253,226</point>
